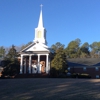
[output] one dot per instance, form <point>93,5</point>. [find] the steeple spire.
<point>40,31</point>
<point>40,24</point>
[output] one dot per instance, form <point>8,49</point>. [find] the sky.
<point>64,20</point>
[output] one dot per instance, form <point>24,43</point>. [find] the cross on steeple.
<point>41,6</point>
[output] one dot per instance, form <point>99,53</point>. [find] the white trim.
<point>47,63</point>
<point>25,66</point>
<point>21,65</point>
<point>29,64</point>
<point>39,69</point>
<point>33,54</point>
<point>27,46</point>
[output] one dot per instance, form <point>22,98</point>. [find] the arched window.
<point>39,34</point>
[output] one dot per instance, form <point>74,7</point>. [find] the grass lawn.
<point>49,89</point>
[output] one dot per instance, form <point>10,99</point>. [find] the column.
<point>47,63</point>
<point>29,64</point>
<point>25,66</point>
<point>39,70</point>
<point>21,65</point>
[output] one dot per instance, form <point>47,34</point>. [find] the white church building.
<point>35,58</point>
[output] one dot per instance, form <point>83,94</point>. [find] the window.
<point>39,34</point>
<point>96,68</point>
<point>97,76</point>
<point>84,68</point>
<point>68,68</point>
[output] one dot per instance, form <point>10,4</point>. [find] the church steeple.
<point>40,24</point>
<point>40,32</point>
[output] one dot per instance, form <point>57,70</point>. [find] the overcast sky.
<point>64,20</point>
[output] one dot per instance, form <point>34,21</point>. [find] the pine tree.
<point>59,63</point>
<point>12,54</point>
<point>11,68</point>
<point>2,51</point>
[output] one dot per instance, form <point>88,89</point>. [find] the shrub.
<point>82,75</point>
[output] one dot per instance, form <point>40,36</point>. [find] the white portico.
<point>35,57</point>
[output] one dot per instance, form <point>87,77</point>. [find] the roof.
<point>84,62</point>
<point>36,47</point>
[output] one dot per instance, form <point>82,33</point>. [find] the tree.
<point>84,49</point>
<point>12,54</point>
<point>59,64</point>
<point>56,46</point>
<point>2,51</point>
<point>11,69</point>
<point>72,51</point>
<point>12,64</point>
<point>95,49</point>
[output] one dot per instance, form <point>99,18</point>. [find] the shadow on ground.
<point>49,88</point>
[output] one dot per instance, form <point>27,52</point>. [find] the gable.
<point>36,47</point>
